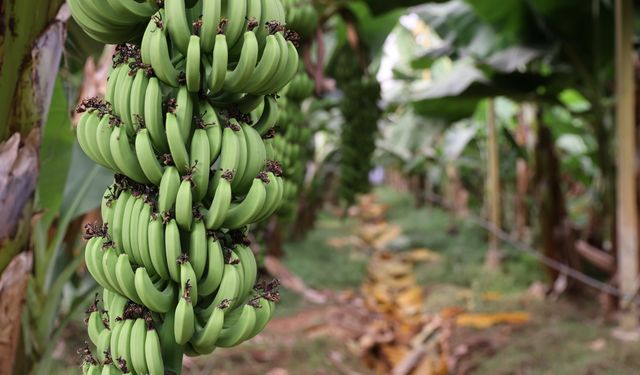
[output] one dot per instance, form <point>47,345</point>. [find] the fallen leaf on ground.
<point>492,296</point>
<point>422,255</point>
<point>481,321</point>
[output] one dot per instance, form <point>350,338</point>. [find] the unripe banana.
<point>169,251</point>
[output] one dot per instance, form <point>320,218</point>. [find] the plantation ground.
<point>563,337</point>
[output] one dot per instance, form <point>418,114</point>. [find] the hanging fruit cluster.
<point>301,17</point>
<point>360,112</point>
<point>292,148</point>
<point>187,106</point>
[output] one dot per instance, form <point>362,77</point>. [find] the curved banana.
<point>160,301</point>
<point>211,14</point>
<point>153,117</point>
<point>138,338</point>
<point>159,54</point>
<point>109,261</point>
<point>198,248</point>
<point>269,116</point>
<point>243,213</point>
<point>103,137</point>
<point>157,247</point>
<point>173,249</point>
<point>210,281</point>
<point>213,130</point>
<point>256,157</point>
<point>228,290</point>
<point>218,74</point>
<point>188,277</point>
<point>95,326</point>
<point>138,93</point>
<point>125,245</point>
<point>134,222</point>
<point>200,159</point>
<point>116,329</point>
<point>249,266</point>
<point>124,343</point>
<point>176,144</point>
<point>168,191</point>
<point>236,80</point>
<point>233,335</point>
<point>242,156</point>
<point>236,12</point>
<point>147,158</point>
<point>220,205</point>
<point>204,338</point>
<point>93,259</point>
<point>104,342</point>
<point>184,205</point>
<point>177,24</point>
<point>193,64</point>
<point>264,313</point>
<point>143,237</point>
<point>185,322</point>
<point>184,113</point>
<point>122,105</point>
<point>267,66</point>
<point>126,278</point>
<point>153,353</point>
<point>125,157</point>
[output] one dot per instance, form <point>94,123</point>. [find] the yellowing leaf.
<point>482,321</point>
<point>492,296</point>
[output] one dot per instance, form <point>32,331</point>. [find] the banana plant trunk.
<point>627,210</point>
<point>492,258</point>
<point>32,34</point>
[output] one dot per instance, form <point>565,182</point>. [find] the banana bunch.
<point>186,125</point>
<point>301,17</point>
<point>291,149</point>
<point>360,111</point>
<point>358,140</point>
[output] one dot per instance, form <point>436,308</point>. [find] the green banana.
<point>153,353</point>
<point>243,213</point>
<point>204,338</point>
<point>173,248</point>
<point>157,247</point>
<point>160,301</point>
<point>153,116</point>
<point>184,323</point>
<point>146,156</point>
<point>138,338</point>
<point>126,278</point>
<point>218,75</point>
<point>210,280</point>
<point>184,205</point>
<point>198,247</point>
<point>176,144</point>
<point>169,186</point>
<point>233,335</point>
<point>193,64</point>
<point>200,159</point>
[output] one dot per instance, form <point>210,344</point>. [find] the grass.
<point>464,250</point>
<point>322,266</point>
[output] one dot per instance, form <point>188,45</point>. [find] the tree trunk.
<point>627,210</point>
<point>523,132</point>
<point>492,259</point>
<point>29,60</point>
<point>556,239</point>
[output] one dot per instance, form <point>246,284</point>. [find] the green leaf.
<point>379,7</point>
<point>81,168</point>
<point>55,156</point>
